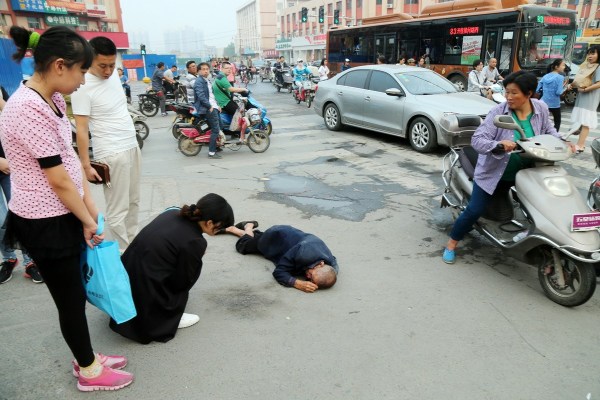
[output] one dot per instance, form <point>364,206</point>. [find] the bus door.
<point>385,45</point>
<point>490,44</point>
<point>505,51</point>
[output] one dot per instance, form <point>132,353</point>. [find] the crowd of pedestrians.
<point>52,216</point>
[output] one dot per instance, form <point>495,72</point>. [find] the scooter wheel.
<point>259,141</point>
<point>142,129</point>
<point>579,277</point>
<point>308,101</point>
<point>188,147</point>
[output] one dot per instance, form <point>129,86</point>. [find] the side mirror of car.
<point>394,92</point>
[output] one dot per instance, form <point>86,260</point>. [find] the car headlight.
<point>558,186</point>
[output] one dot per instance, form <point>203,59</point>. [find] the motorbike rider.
<point>157,86</point>
<point>189,79</point>
<point>497,172</point>
<point>169,79</point>
<point>299,70</point>
<point>278,67</point>
<point>222,90</point>
<point>207,107</point>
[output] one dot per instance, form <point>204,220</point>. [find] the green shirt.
<point>222,98</point>
<point>515,162</point>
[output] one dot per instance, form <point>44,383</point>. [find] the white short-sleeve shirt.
<point>104,102</point>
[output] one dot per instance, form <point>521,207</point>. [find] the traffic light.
<point>336,17</point>
<point>304,14</point>
<point>321,14</point>
<point>143,49</point>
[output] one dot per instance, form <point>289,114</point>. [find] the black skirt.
<point>45,238</point>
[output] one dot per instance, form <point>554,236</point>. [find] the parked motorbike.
<point>304,90</point>
<point>287,82</point>
<point>141,128</point>
<point>138,137</point>
<point>532,221</point>
<point>149,102</point>
<point>194,136</point>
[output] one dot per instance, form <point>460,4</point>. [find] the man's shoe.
<point>6,269</point>
<point>32,272</point>
<point>242,225</point>
<point>188,320</point>
<point>114,362</point>
<point>163,114</point>
<point>449,256</point>
<point>109,379</point>
<point>218,156</point>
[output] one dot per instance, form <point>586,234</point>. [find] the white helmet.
<point>299,60</point>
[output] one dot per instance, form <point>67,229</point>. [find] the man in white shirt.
<point>169,79</point>
<point>491,72</point>
<point>100,108</point>
<point>189,79</point>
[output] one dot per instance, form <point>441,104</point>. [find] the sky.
<point>215,18</point>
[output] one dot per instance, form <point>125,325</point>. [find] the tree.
<point>229,50</point>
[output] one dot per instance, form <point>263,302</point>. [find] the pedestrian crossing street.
<point>566,125</point>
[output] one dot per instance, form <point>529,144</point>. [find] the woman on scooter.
<point>498,171</point>
<point>164,262</point>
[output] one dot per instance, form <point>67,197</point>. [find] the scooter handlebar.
<point>499,149</point>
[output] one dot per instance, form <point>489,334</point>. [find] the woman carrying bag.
<point>51,212</point>
<point>587,81</point>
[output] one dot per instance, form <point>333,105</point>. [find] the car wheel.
<point>460,82</point>
<point>332,117</point>
<point>570,96</point>
<point>422,135</point>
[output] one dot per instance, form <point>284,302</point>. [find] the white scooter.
<point>533,221</point>
<point>498,92</point>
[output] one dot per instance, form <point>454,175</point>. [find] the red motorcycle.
<point>304,90</point>
<point>193,136</point>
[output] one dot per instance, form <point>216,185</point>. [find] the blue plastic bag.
<point>105,279</point>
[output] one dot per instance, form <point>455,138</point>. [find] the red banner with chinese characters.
<point>130,64</point>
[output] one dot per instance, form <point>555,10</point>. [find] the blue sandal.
<point>449,256</point>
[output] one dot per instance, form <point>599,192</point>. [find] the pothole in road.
<point>350,202</point>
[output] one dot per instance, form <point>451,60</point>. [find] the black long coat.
<point>164,261</point>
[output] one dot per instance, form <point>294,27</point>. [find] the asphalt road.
<point>399,324</point>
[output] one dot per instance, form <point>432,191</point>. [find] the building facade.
<point>256,29</point>
<point>90,18</point>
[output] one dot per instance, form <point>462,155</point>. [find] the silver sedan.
<point>397,100</point>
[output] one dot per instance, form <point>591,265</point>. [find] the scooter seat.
<point>468,160</point>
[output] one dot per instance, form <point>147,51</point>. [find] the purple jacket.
<point>490,167</point>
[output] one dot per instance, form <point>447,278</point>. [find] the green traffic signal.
<point>304,14</point>
<point>336,17</point>
<point>321,14</point>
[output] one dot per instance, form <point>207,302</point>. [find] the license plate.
<point>585,222</point>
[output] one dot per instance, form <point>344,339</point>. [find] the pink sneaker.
<point>109,379</point>
<point>114,362</point>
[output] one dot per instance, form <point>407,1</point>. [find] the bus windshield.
<point>579,51</point>
<point>539,50</point>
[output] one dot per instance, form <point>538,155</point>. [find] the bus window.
<point>385,45</point>
<point>490,45</point>
<point>362,49</point>
<point>505,52</point>
<point>552,44</point>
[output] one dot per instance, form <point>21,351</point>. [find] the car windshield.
<point>425,83</point>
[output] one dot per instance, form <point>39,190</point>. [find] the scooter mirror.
<point>507,122</point>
